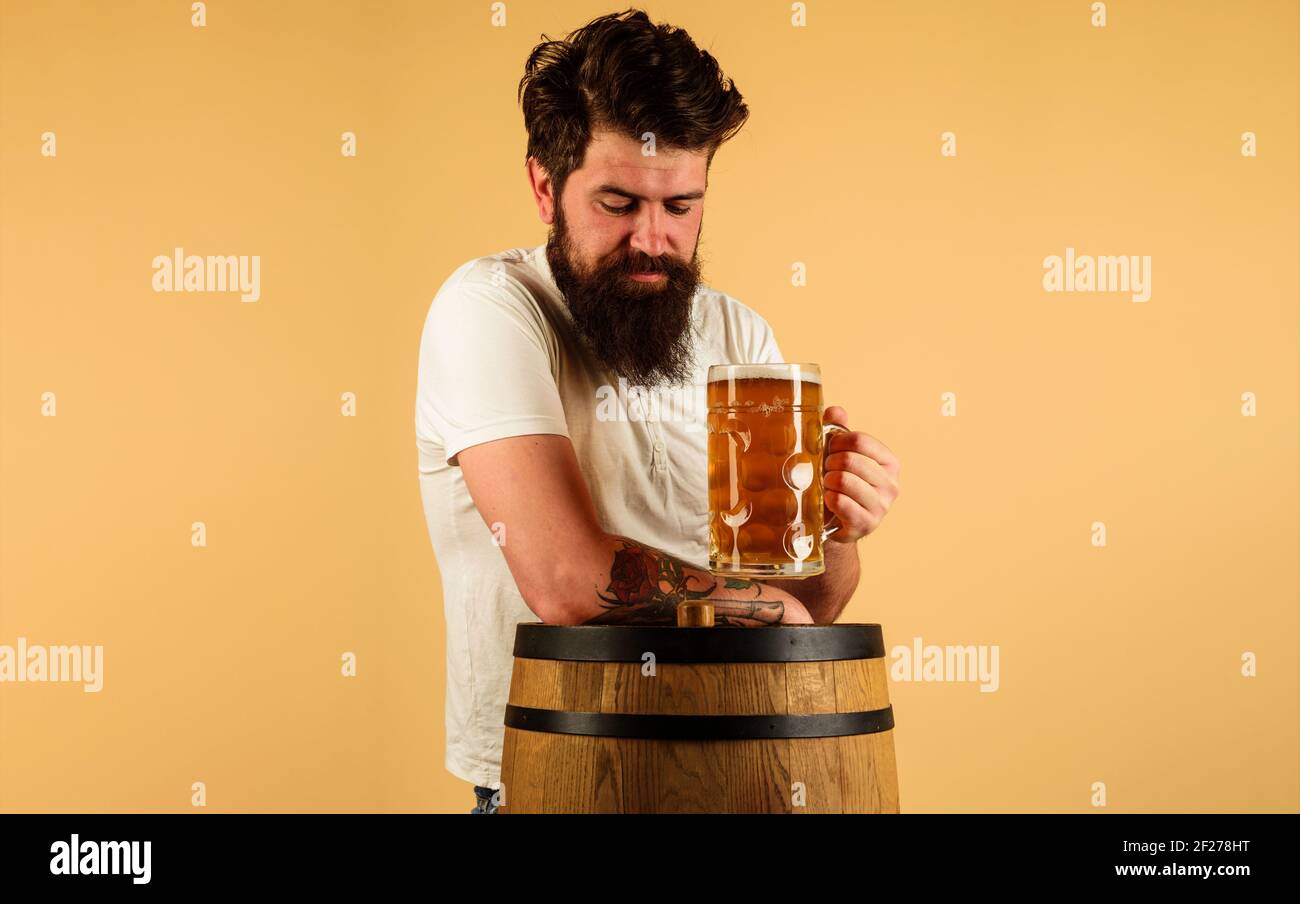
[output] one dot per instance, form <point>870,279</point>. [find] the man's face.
<point>624,253</point>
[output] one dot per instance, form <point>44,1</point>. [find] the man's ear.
<point>543,190</point>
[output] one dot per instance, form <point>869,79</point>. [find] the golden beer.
<point>766,441</point>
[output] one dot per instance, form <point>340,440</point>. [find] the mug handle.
<point>827,527</point>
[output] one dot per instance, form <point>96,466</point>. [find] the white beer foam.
<point>763,372</point>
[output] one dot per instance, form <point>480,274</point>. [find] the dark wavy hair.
<point>623,73</point>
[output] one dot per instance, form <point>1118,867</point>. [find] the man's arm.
<point>826,595</point>
<point>646,585</point>
<point>570,572</point>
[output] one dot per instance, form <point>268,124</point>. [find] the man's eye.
<point>675,211</point>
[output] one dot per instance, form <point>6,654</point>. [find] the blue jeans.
<point>483,799</point>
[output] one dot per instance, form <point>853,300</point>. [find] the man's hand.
<point>861,479</point>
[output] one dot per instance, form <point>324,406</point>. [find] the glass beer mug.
<point>766,448</point>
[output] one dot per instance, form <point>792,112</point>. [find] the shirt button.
<point>659,447</point>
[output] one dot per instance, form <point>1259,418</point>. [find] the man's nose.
<point>649,234</point>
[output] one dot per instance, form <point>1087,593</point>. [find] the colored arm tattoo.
<point>646,585</point>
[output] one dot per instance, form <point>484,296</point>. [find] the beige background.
<point>1119,664</point>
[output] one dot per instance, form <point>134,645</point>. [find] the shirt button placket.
<point>659,455</point>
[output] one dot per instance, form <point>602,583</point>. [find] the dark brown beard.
<point>640,331</point>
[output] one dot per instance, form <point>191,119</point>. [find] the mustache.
<point>640,262</point>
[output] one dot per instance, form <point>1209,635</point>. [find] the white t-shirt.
<point>500,357</point>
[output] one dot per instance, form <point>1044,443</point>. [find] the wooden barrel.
<point>624,719</point>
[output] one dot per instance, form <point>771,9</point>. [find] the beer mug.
<point>766,465</point>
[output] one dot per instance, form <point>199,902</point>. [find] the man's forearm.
<point>826,595</point>
<point>640,585</point>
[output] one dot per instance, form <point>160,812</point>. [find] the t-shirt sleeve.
<point>767,351</point>
<point>486,368</point>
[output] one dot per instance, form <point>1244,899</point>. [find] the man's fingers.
<point>855,489</point>
<point>854,519</point>
<point>836,415</point>
<point>855,463</point>
<point>865,444</point>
